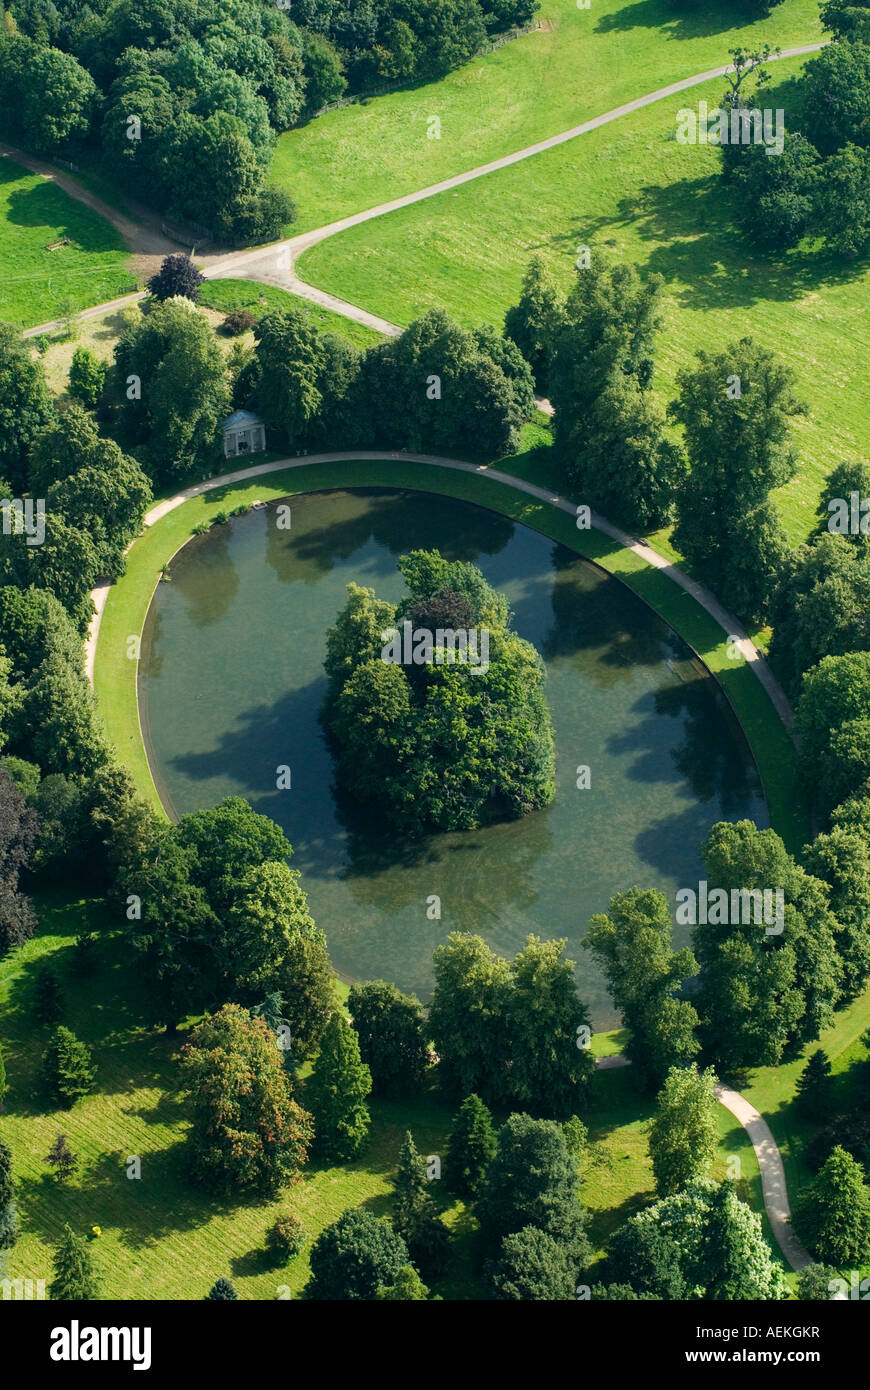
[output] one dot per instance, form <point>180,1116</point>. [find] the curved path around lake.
<point>767,1153</point>
<point>275,264</point>
<point>699,592</point>
<point>770,1165</point>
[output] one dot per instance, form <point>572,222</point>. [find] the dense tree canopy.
<point>438,738</point>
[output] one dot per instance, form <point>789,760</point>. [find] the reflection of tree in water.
<point>399,521</point>
<point>205,575</point>
<point>713,756</point>
<point>484,874</point>
<point>150,664</point>
<point>596,618</point>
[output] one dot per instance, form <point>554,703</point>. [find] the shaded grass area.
<point>227,295</point>
<point>126,607</point>
<point>162,1236</point>
<point>37,284</point>
<point>577,65</point>
<point>635,194</point>
<point>771,1090</point>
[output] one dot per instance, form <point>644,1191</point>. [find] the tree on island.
<point>437,735</point>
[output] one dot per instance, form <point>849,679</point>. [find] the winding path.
<point>276,264</point>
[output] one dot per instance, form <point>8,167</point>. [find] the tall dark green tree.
<point>414,1213</point>
<point>814,1088</point>
<point>336,1093</point>
<point>833,1212</point>
<point>533,1181</point>
<point>532,1266</point>
<point>533,323</point>
<point>75,1279</point>
<point>470,1148</point>
<point>222,1291</point>
<point>67,1068</point>
<point>8,1212</point>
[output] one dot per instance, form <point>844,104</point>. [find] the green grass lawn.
<point>37,284</point>
<point>579,64</point>
<point>161,1236</point>
<point>632,191</point>
<point>226,295</point>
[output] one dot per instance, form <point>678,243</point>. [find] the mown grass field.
<point>634,193</point>
<point>224,296</point>
<point>578,64</point>
<point>37,284</point>
<point>161,1235</point>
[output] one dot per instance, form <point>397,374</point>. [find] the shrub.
<point>286,1238</point>
<point>239,321</point>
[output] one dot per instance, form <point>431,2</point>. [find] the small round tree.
<point>354,1257</point>
<point>87,376</point>
<point>221,1291</point>
<point>532,1267</point>
<point>286,1237</point>
<point>176,276</point>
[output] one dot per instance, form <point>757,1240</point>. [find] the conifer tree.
<point>471,1145</point>
<point>834,1212</point>
<point>74,1278</point>
<point>814,1091</point>
<point>222,1289</point>
<point>62,1158</point>
<point>415,1217</point>
<point>8,1213</point>
<point>336,1093</point>
<point>67,1068</point>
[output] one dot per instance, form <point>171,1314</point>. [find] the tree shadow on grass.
<point>652,14</point>
<point>708,263</point>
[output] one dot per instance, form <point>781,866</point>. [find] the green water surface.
<point>231,681</point>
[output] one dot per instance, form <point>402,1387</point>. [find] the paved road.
<point>275,264</point>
